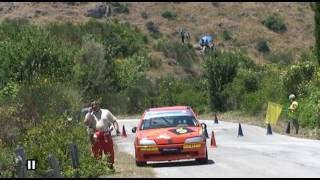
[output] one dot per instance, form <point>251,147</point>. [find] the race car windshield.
<point>168,121</point>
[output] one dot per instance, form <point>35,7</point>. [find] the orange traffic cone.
<point>213,140</point>
<point>124,134</point>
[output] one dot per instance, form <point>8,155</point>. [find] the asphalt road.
<point>256,154</point>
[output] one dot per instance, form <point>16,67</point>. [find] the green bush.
<point>45,97</point>
<point>226,35</point>
<point>297,77</point>
<point>66,32</point>
<point>119,7</point>
<point>140,96</point>
<point>123,38</point>
<point>153,29</point>
<point>262,46</point>
<point>220,69</point>
<point>169,15</point>
<point>165,91</point>
<point>192,93</point>
<point>269,89</point>
<point>131,75</point>
<point>235,93</point>
<point>10,28</point>
<point>144,15</point>
<point>180,52</point>
<point>309,110</point>
<point>275,23</point>
<point>6,162</point>
<point>254,102</point>
<point>155,63</point>
<point>251,83</point>
<point>131,70</point>
<point>53,136</point>
<point>169,91</point>
<point>283,58</point>
<point>101,76</point>
<point>32,54</point>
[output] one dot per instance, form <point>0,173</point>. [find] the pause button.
<point>31,164</point>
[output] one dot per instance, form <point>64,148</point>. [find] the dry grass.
<point>126,168</point>
<point>280,127</point>
<point>243,20</point>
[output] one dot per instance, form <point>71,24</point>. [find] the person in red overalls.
<point>99,122</point>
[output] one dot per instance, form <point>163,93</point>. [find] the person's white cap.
<point>292,96</point>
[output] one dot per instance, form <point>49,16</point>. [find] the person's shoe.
<point>111,167</point>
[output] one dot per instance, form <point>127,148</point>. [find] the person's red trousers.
<point>104,145</point>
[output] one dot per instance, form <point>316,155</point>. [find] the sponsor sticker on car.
<point>190,146</point>
<point>149,149</point>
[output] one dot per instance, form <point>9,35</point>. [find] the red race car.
<point>169,133</point>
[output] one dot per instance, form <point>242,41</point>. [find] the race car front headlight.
<point>197,139</point>
<point>147,142</point>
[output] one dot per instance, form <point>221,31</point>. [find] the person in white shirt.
<point>99,122</point>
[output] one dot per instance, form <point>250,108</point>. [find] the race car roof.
<point>169,108</point>
<point>168,111</point>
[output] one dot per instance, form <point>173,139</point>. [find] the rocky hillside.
<point>241,22</point>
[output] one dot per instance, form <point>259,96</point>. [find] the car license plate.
<point>170,150</point>
<point>190,146</point>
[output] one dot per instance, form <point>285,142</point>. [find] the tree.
<point>316,8</point>
<point>95,69</point>
<point>220,69</point>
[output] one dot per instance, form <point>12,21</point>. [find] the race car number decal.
<point>181,131</point>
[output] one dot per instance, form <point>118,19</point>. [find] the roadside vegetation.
<point>49,72</point>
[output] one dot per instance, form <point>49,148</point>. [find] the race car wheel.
<point>203,160</point>
<point>141,163</point>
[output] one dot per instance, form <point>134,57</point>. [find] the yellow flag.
<point>273,112</point>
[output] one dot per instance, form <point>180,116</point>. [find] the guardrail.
<point>23,165</point>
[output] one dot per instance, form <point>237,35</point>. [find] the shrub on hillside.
<point>66,32</point>
<point>215,4</point>
<point>39,143</point>
<point>165,91</point>
<point>237,92</point>
<point>220,69</point>
<point>119,7</point>
<point>153,29</point>
<point>94,81</point>
<point>144,15</point>
<point>169,91</point>
<point>262,46</point>
<point>282,58</point>
<point>275,23</point>
<point>155,63</point>
<point>226,35</point>
<point>131,70</point>
<point>169,15</point>
<point>251,82</point>
<point>32,54</point>
<point>182,53</point>
<point>298,76</point>
<point>6,162</point>
<point>124,39</point>
<point>192,93</point>
<point>140,96</point>
<point>309,109</point>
